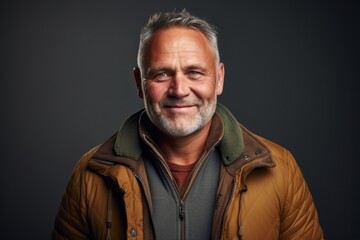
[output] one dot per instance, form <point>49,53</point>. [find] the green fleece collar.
<point>232,144</point>
<point>128,143</point>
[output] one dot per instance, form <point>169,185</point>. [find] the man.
<point>184,168</point>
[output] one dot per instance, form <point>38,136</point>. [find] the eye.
<point>194,74</point>
<point>162,76</point>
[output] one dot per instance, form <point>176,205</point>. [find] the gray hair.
<point>175,19</point>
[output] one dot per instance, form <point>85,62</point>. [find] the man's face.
<point>181,82</point>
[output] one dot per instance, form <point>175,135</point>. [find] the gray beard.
<point>198,122</point>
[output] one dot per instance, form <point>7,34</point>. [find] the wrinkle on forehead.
<point>179,46</point>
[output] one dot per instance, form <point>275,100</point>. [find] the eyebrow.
<point>195,67</point>
<point>166,69</point>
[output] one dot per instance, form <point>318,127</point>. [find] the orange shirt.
<point>180,173</point>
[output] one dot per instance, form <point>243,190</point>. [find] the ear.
<point>137,77</point>
<point>220,80</point>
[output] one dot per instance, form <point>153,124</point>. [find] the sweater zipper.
<point>197,169</point>
<point>181,199</point>
<point>168,175</point>
<point>182,219</point>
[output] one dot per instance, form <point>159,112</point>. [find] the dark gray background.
<point>292,69</point>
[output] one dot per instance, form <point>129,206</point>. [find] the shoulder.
<point>84,160</point>
<point>286,174</point>
<point>81,178</point>
<point>283,171</point>
<point>279,154</point>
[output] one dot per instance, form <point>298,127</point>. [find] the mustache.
<point>180,102</point>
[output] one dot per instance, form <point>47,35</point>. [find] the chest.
<point>186,214</point>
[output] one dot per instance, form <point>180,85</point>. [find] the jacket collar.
<point>239,148</point>
<point>232,144</point>
<point>128,140</point>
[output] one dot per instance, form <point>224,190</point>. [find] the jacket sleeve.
<point>71,220</point>
<point>299,219</point>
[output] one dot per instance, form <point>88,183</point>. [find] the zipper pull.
<point>182,212</point>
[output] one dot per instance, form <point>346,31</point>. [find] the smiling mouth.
<point>178,106</point>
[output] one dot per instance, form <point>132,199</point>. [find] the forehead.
<point>178,40</point>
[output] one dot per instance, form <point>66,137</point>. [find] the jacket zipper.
<point>251,168</point>
<point>227,208</point>
<point>149,206</point>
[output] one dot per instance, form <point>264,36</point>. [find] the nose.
<point>179,86</point>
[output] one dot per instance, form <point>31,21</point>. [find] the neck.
<point>183,150</point>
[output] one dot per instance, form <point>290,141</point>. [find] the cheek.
<point>154,92</point>
<point>205,91</point>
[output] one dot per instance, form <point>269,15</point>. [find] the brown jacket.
<point>262,193</point>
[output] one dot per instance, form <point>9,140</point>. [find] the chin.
<point>181,129</point>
